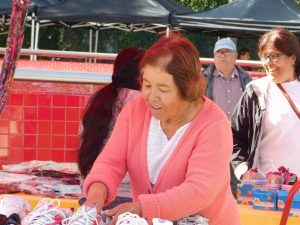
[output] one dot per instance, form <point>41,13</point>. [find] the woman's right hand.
<point>97,195</point>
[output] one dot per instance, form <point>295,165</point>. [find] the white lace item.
<point>85,215</point>
<point>157,221</point>
<point>46,212</point>
<point>193,220</point>
<point>10,204</point>
<point>131,219</point>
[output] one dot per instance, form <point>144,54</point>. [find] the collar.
<point>235,73</point>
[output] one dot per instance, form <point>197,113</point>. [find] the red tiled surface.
<point>4,140</point>
<point>30,141</point>
<point>29,154</point>
<point>59,156</point>
<point>41,121</point>
<point>58,114</point>
<point>70,156</point>
<point>58,141</point>
<point>58,127</point>
<point>15,155</point>
<point>30,99</point>
<point>59,100</point>
<point>4,126</point>
<point>16,141</point>
<point>72,114</point>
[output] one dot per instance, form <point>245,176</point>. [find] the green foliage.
<point>72,39</point>
<point>199,5</point>
<point>297,2</point>
<point>115,40</point>
<point>204,43</point>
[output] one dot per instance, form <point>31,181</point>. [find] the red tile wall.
<point>41,121</point>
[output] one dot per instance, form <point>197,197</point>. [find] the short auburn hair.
<point>177,56</point>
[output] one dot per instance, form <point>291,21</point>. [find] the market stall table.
<point>250,216</point>
<point>64,202</point>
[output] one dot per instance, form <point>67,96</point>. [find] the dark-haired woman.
<point>102,110</point>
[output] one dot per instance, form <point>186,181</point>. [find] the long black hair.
<point>98,113</point>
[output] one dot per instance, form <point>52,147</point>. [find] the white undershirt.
<point>280,143</point>
<point>159,148</point>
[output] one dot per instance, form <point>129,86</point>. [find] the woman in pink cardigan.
<point>175,144</point>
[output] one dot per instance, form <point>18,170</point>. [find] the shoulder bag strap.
<point>292,104</point>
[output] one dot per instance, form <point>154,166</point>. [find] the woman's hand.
<point>134,208</point>
<point>97,195</point>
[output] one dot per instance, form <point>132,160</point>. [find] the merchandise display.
<point>196,220</point>
<point>267,191</point>
<point>43,178</point>
<point>11,204</point>
<point>129,218</point>
<point>248,215</point>
<point>46,212</point>
<point>38,210</point>
<point>85,215</point>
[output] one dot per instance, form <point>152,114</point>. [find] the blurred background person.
<point>175,143</point>
<point>102,110</point>
<point>244,54</point>
<point>266,121</point>
<point>225,81</point>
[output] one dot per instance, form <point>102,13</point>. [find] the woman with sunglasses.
<point>266,121</point>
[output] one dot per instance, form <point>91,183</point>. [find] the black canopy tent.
<point>133,15</point>
<point>244,18</point>
<point>34,5</point>
<point>6,5</point>
<point>112,12</point>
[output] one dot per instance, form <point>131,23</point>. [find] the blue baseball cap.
<point>224,43</point>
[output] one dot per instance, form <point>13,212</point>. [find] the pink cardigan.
<point>195,179</point>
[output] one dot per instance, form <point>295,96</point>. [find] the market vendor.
<point>174,142</point>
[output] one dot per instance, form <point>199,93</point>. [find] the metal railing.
<point>65,54</point>
<point>85,77</point>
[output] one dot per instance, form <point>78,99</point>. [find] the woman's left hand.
<point>134,208</point>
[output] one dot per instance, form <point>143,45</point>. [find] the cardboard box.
<point>282,196</point>
<point>244,194</point>
<point>264,199</point>
<point>244,190</point>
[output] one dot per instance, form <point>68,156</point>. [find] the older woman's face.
<point>277,64</point>
<point>161,94</point>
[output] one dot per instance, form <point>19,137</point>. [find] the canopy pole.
<point>96,43</point>
<point>32,33</point>
<point>37,33</point>
<point>91,42</point>
<point>168,30</point>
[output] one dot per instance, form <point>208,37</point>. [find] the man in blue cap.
<point>225,81</point>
